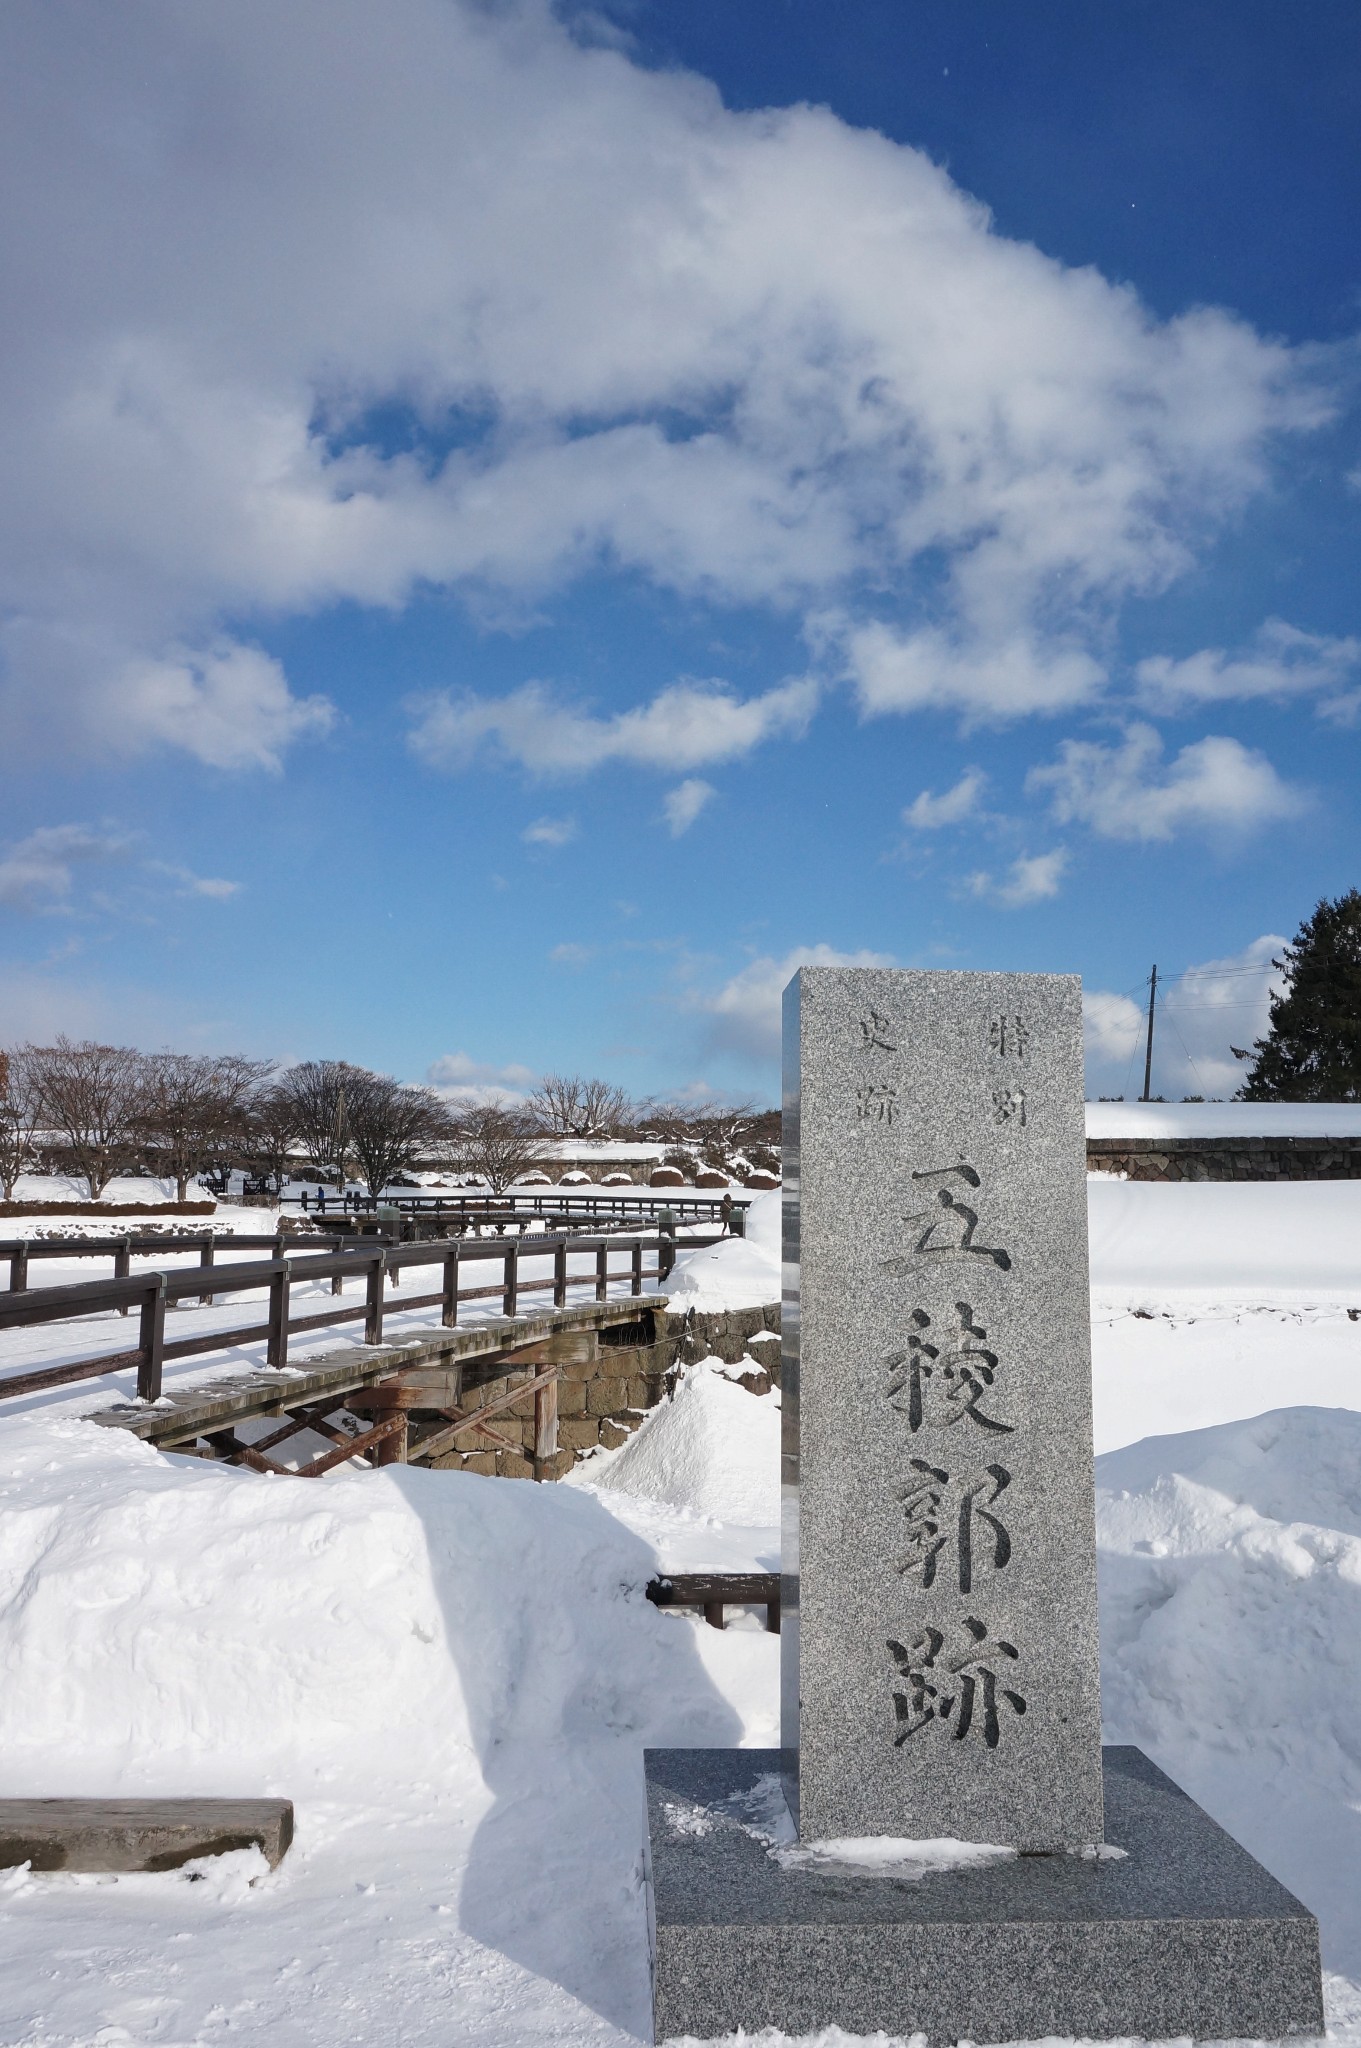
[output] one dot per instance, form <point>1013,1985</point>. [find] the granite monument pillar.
<point>940,1673</point>
<point>939,1633</point>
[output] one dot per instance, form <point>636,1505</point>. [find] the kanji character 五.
<point>949,1225</point>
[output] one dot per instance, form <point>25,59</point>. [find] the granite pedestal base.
<point>1186,1934</point>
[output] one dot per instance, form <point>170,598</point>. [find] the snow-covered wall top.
<point>604,1149</point>
<point>1224,1119</point>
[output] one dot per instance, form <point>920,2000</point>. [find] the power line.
<point>1187,1050</point>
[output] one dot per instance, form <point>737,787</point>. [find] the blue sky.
<point>523,525</point>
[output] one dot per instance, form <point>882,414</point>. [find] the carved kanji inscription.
<point>951,1526</point>
<point>950,1224</point>
<point>938,1384</point>
<point>960,1683</point>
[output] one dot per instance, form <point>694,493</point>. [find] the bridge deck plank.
<point>191,1412</point>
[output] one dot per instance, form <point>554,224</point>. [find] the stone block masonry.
<point>603,1397</point>
<point>1215,1159</point>
<point>1182,1933</point>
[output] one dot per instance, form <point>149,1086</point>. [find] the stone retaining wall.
<point>1226,1158</point>
<point>608,1386</point>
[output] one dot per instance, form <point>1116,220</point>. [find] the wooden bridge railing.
<point>624,1204</point>
<point>715,1592</point>
<point>152,1293</point>
<point>209,1244</point>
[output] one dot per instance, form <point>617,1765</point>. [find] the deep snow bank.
<point>713,1448</point>
<point>742,1272</point>
<point>453,1677</point>
<point>253,1630</point>
<point>1230,1563</point>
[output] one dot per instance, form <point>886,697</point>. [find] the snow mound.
<point>1231,1637</point>
<point>185,1626</point>
<point>713,1448</point>
<point>452,1677</point>
<point>741,1272</point>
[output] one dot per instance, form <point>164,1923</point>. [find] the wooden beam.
<point>475,1418</point>
<point>715,1591</point>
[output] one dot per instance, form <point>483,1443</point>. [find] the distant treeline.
<point>101,1110</point>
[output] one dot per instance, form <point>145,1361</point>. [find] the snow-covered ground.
<point>72,1187</point>
<point>453,1677</point>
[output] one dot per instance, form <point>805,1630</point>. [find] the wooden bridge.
<point>380,1265</point>
<point>418,1401</point>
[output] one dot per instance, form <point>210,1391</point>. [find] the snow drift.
<point>1231,1637</point>
<point>741,1272</point>
<point>452,1677</point>
<point>714,1448</point>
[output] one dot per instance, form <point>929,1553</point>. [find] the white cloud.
<point>1282,662</point>
<point>230,707</point>
<point>689,725</point>
<point>929,812</point>
<point>683,804</point>
<point>1125,791</point>
<point>1112,1029</point>
<point>754,357</point>
<point>745,1013</point>
<point>37,872</point>
<point>571,954</point>
<point>1030,879</point>
<point>1201,1012</point>
<point>550,832</point>
<point>982,680</point>
<point>212,886</point>
<point>458,1077</point>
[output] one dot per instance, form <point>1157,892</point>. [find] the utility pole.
<point>1148,1054</point>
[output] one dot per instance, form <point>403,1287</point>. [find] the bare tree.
<point>19,1111</point>
<point>728,1126</point>
<point>193,1109</point>
<point>498,1141</point>
<point>271,1132</point>
<point>556,1103</point>
<point>319,1091</point>
<point>671,1123</point>
<point>90,1095</point>
<point>717,1131</point>
<point>389,1124</point>
<point>568,1106</point>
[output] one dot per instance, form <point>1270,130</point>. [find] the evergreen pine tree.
<point>1312,1052</point>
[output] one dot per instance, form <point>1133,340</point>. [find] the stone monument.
<point>939,1637</point>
